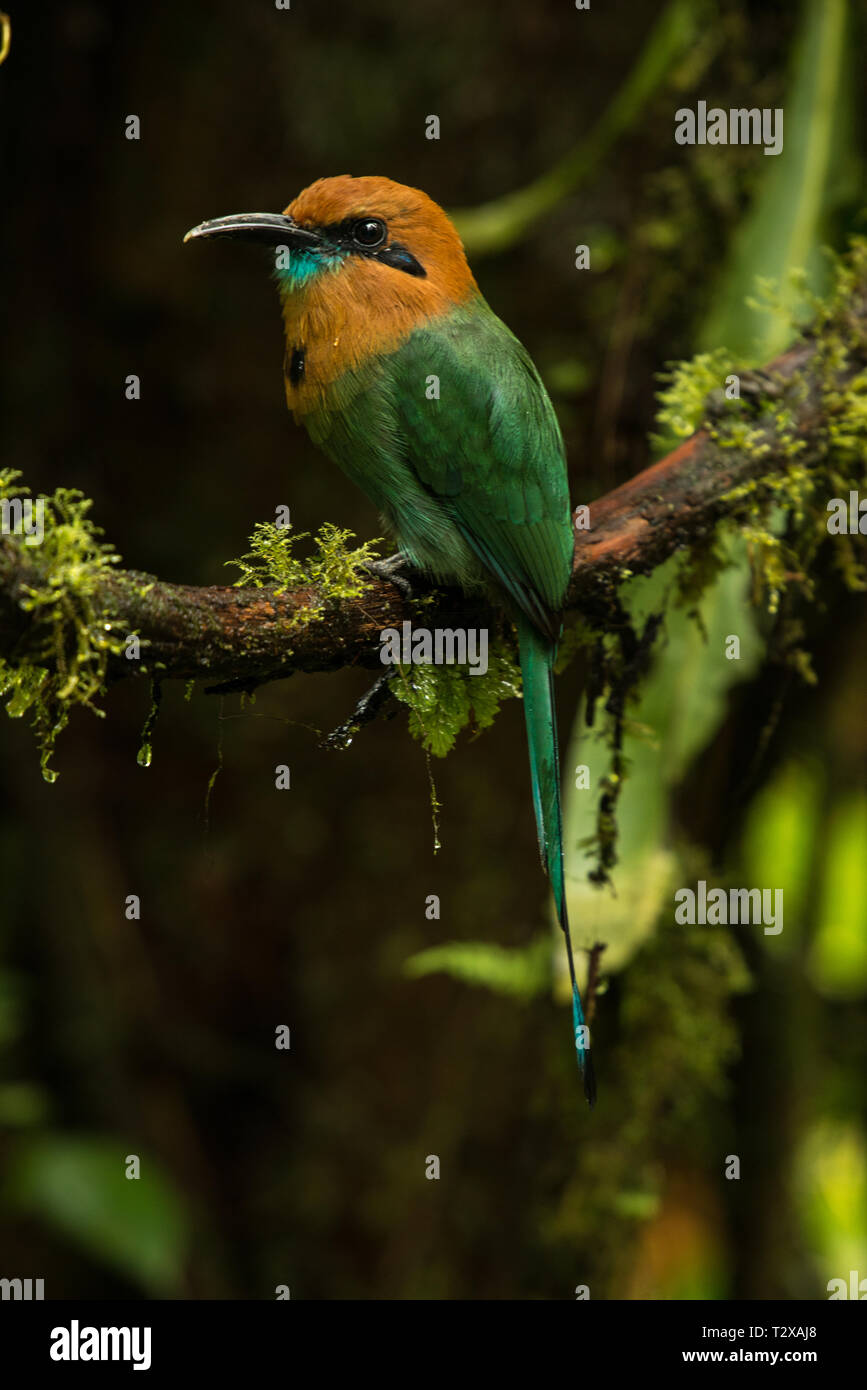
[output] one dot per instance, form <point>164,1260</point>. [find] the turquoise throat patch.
<point>304,266</point>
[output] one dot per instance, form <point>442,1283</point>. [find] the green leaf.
<point>79,1187</point>
<point>521,973</point>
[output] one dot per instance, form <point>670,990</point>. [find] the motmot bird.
<point>378,304</point>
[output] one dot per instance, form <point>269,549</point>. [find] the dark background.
<point>307,1168</point>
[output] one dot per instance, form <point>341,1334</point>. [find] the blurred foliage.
<point>831,1185</point>
<point>498,225</point>
<point>799,193</point>
<point>838,960</point>
<point>519,973</point>
<point>79,1187</point>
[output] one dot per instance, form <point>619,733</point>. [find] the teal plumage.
<point>537,669</point>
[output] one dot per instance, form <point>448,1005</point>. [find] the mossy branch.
<point>795,436</point>
<point>260,634</point>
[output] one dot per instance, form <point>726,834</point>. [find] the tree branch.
<point>248,636</point>
<point>680,499</point>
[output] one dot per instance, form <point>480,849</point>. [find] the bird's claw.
<point>392,570</point>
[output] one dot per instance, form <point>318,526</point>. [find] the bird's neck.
<point>336,323</point>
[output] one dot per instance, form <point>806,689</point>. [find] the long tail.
<point>537,663</point>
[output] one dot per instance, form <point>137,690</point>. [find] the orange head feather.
<point>412,219</point>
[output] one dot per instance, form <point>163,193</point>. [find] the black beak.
<point>268,228</point>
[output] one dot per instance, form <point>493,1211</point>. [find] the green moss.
<point>783,512</point>
<point>698,570</point>
<point>334,570</point>
<point>684,394</point>
<point>444,700</point>
<point>67,570</point>
<point>69,668</point>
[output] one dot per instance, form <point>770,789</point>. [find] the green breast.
<point>454,437</point>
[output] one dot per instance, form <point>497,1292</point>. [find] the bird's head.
<point>370,239</point>
<point>359,263</point>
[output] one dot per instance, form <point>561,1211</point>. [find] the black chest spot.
<point>295,365</point>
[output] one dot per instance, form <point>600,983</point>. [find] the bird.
<point>379,302</point>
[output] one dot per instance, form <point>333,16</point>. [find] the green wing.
<point>484,440</point>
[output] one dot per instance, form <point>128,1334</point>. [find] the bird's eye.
<point>369,232</point>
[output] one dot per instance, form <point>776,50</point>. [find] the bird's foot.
<point>393,570</point>
<point>373,702</point>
